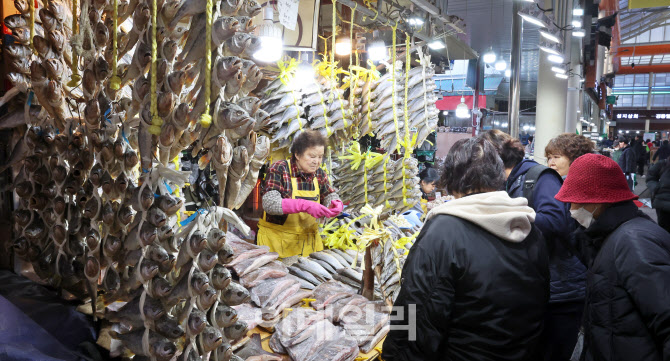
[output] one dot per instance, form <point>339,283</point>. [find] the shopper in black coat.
<point>640,154</point>
<point>658,182</point>
<point>627,161</point>
<point>663,151</point>
<point>476,283</point>
<point>627,314</point>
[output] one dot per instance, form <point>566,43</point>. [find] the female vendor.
<point>297,192</point>
<point>428,177</point>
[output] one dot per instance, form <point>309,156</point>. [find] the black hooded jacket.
<point>627,314</point>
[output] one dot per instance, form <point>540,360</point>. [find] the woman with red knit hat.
<point>627,315</point>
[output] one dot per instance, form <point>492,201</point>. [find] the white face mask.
<point>584,217</point>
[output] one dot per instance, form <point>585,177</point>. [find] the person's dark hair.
<point>307,139</point>
<point>570,145</point>
<point>510,150</point>
<point>472,165</point>
<point>647,141</point>
<point>530,139</point>
<point>623,139</point>
<point>429,175</point>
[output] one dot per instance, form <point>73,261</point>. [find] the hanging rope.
<point>334,19</point>
<point>31,3</point>
<point>156,121</point>
<point>75,78</point>
<point>351,30</point>
<point>115,81</point>
<point>406,140</point>
<point>205,118</point>
<point>393,101</point>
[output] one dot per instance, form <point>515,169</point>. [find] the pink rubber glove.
<point>316,210</point>
<point>336,207</point>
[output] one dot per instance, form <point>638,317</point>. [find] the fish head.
<point>41,45</point>
<point>93,238</point>
<point>107,182</point>
<point>156,217</point>
<point>59,234</point>
<point>228,66</point>
<point>216,239</point>
<point>92,268</point>
<point>92,111</point>
<point>58,9</point>
<point>130,158</point>
<point>180,115</point>
<point>141,16</point>
<point>22,34</point>
<point>57,39</point>
<point>164,350</point>
<point>169,327</point>
<point>15,21</point>
<point>230,24</point>
<point>101,69</point>
<point>101,34</point>
<point>254,45</point>
<point>22,64</point>
<point>167,136</point>
<point>225,351</point>
<point>42,175</point>
<point>236,294</point>
<point>225,314</point>
<point>22,6</point>
<point>208,298</point>
<point>236,331</point>
<point>160,287</point>
<point>37,70</point>
<point>197,242</point>
<point>199,282</point>
<point>91,208</point>
<point>126,215</point>
<point>112,245</point>
<point>226,254</point>
<point>59,205</point>
<point>196,321</point>
<point>251,8</point>
<point>250,104</point>
<point>50,189</point>
<point>169,204</point>
<point>112,281</point>
<point>148,269</point>
<point>238,43</point>
<point>96,174</point>
<point>176,81</point>
<point>22,217</point>
<point>170,8</point>
<point>220,277</point>
<point>20,247</point>
<point>211,338</point>
<point>24,189</point>
<point>145,197</point>
<point>158,254</point>
<point>148,234</point>
<point>207,260</point>
<point>231,7</point>
<point>165,232</point>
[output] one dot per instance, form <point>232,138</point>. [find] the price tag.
<point>288,12</point>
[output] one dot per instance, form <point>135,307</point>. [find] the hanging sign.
<point>288,12</point>
<point>639,4</point>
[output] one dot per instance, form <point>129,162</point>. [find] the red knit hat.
<point>594,178</point>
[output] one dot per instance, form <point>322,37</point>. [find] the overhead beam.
<point>644,69</point>
<point>643,50</point>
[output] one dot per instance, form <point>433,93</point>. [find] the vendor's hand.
<point>316,210</point>
<point>336,207</point>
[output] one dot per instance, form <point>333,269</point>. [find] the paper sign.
<point>288,12</point>
<point>639,4</point>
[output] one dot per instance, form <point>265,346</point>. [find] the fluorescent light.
<point>377,51</point>
<point>628,131</point>
<point>436,45</point>
<point>508,73</point>
<point>526,127</point>
<point>577,23</point>
<point>415,21</point>
<point>549,36</point>
<point>579,33</point>
<point>445,113</point>
<point>561,76</point>
<point>501,65</point>
<point>555,58</point>
<point>577,12</point>
<point>534,16</point>
<point>489,57</point>
<point>343,47</point>
<point>558,69</point>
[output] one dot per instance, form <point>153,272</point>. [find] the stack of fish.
<point>317,105</point>
<point>389,256</point>
<point>306,334</point>
<point>326,265</point>
<point>387,112</point>
<point>394,184</point>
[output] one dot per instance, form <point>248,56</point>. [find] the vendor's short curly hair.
<point>472,165</point>
<point>571,145</point>
<point>307,139</point>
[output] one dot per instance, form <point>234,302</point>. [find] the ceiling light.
<point>415,21</point>
<point>555,58</point>
<point>526,127</point>
<point>501,65</point>
<point>577,12</point>
<point>621,131</point>
<point>377,51</point>
<point>270,36</point>
<point>593,124</point>
<point>462,110</point>
<point>436,45</point>
<point>637,132</point>
<point>559,70</point>
<point>561,76</point>
<point>534,16</point>
<point>550,47</point>
<point>508,73</point>
<point>579,33</point>
<point>489,57</point>
<point>577,23</point>
<point>532,128</point>
<point>551,36</point>
<point>343,46</point>
<point>445,113</point>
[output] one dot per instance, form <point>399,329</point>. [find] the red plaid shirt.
<point>278,179</point>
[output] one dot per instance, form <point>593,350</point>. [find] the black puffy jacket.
<point>477,297</point>
<point>658,182</point>
<point>627,314</point>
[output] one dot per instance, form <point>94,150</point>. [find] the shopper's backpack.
<point>530,181</point>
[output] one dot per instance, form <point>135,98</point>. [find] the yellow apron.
<point>299,235</point>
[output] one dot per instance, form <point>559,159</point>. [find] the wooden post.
<point>368,275</point>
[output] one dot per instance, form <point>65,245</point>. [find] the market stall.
<point>141,129</point>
